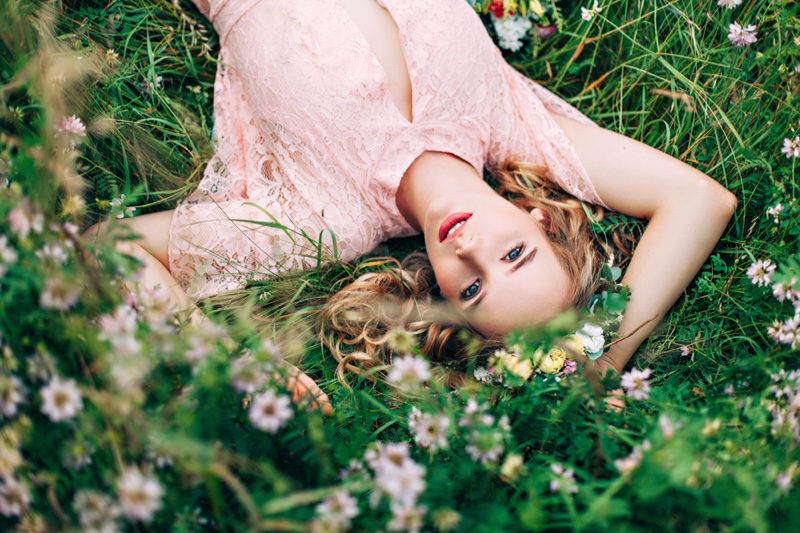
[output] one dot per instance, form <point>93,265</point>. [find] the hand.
<point>615,400</point>
<point>304,389</point>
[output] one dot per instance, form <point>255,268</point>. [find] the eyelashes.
<point>473,288</point>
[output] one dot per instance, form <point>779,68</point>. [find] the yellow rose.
<point>522,368</point>
<point>574,346</point>
<point>553,362</point>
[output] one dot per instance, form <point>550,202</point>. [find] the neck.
<point>430,176</point>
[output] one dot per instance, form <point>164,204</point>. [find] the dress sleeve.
<point>528,133</point>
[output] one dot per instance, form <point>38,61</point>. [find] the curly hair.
<point>357,323</point>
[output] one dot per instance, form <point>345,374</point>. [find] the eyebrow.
<point>516,266</point>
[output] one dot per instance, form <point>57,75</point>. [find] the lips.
<point>449,222</point>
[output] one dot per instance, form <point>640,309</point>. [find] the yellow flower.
<point>512,363</point>
<point>536,8</point>
<point>553,362</point>
<point>574,346</point>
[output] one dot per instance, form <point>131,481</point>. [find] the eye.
<point>470,291</point>
<point>513,253</point>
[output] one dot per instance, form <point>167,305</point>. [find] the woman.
<point>354,121</point>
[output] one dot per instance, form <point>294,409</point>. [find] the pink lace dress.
<point>311,146</point>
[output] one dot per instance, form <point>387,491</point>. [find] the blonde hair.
<point>357,324</point>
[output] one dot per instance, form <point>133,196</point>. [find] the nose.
<point>466,245</point>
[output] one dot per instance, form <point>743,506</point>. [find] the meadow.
<point>118,415</point>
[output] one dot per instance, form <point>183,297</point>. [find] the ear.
<point>542,217</point>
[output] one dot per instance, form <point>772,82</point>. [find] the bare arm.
<point>687,213</point>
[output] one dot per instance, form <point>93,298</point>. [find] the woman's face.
<point>494,262</point>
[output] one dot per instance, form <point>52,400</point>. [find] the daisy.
<point>96,511</point>
<point>761,271</point>
<point>401,483</point>
<point>406,518</point>
<point>247,375</point>
<point>338,510</point>
<point>61,399</point>
<point>14,497</point>
<point>270,412</point>
<point>409,372</point>
<point>742,36</point>
<point>635,383</point>
<point>139,494</point>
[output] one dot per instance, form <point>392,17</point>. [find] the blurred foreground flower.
<point>61,399</point>
<point>564,480</point>
<point>429,430</point>
<point>632,461</point>
<point>335,513</point>
<point>71,130</point>
<point>742,36</point>
<point>139,494</point>
<point>96,511</point>
<point>59,294</point>
<point>409,372</point>
<point>269,411</point>
<point>14,497</point>
<point>635,383</point>
<point>12,393</point>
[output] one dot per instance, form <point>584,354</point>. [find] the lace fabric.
<point>311,144</point>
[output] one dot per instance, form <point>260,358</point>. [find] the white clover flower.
<point>71,125</point>
<point>564,480</point>
<point>269,411</point>
<point>118,202</point>
<point>387,453</point>
<point>14,497</point>
<point>12,394</point>
<point>588,14</point>
<point>485,446</point>
<point>511,30</point>
<point>635,383</point>
<point>429,430</point>
<point>402,483</point>
<point>761,271</point>
<point>139,494</point>
<point>61,399</point>
<point>59,294</point>
<point>407,518</point>
<point>96,511</point>
<point>742,36</point>
<point>409,372</point>
<point>730,4</point>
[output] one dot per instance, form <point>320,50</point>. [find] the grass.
<point>661,72</point>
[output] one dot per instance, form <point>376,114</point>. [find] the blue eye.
<point>470,291</point>
<point>513,254</point>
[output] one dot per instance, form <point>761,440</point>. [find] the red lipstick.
<point>448,223</point>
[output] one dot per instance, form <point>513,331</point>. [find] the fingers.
<point>304,390</point>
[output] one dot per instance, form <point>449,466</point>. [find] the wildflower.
<point>112,56</point>
<point>148,87</point>
<point>635,383</point>
<point>761,271</point>
<point>787,332</point>
<point>632,461</point>
<point>59,294</point>
<point>791,147</point>
<point>41,367</point>
<point>247,375</point>
<point>409,372</point>
<point>139,494</point>
<point>270,348</point>
<point>685,352</point>
<point>511,30</point>
<point>485,446</point>
<point>119,329</point>
<point>588,14</point>
<point>564,480</point>
<point>784,478</point>
<point>592,338</point>
<point>53,253</point>
<point>14,497</point>
<point>8,255</point>
<point>666,426</point>
<point>742,36</point>
<point>61,399</point>
<point>72,130</point>
<point>570,366</point>
<point>775,213</point>
<point>24,218</point>
<point>400,340</point>
<point>406,518</point>
<point>429,430</point>
<point>387,453</point>
<point>402,483</point>
<point>269,411</point>
<point>711,428</point>
<point>77,454</point>
<point>513,466</point>
<point>96,511</point>
<point>12,393</point>
<point>119,202</point>
<point>785,290</point>
<point>337,511</point>
<point>10,459</point>
<point>483,375</point>
<point>730,4</point>
<point>446,519</point>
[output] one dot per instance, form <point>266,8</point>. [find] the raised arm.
<point>687,213</point>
